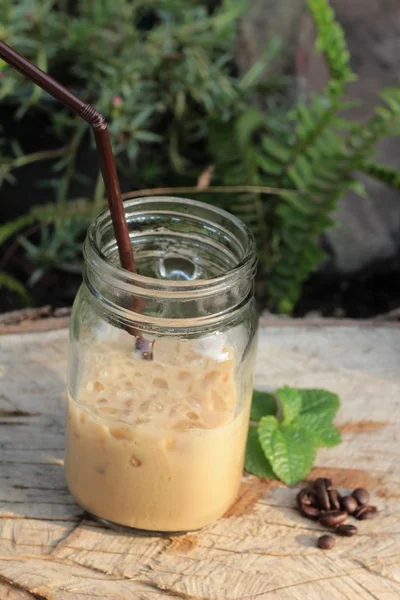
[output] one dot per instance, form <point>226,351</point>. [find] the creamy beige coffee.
<point>157,445</point>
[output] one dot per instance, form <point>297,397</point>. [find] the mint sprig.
<point>292,423</point>
<point>262,404</point>
<point>255,460</point>
<point>290,403</point>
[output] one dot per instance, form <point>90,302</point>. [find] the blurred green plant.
<point>156,70</point>
<point>164,76</point>
<point>9,282</point>
<point>58,248</point>
<point>314,151</point>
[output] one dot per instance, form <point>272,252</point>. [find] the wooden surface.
<point>262,548</point>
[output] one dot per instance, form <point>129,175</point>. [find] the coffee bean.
<point>326,542</point>
<point>358,514</point>
<point>347,530</point>
<point>349,504</point>
<point>322,493</point>
<point>324,503</point>
<point>304,497</point>
<point>334,499</point>
<point>361,495</point>
<point>369,513</point>
<point>332,518</point>
<point>310,512</point>
<point>319,481</point>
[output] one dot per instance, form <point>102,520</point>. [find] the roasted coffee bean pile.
<point>321,502</point>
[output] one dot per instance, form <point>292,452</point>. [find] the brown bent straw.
<point>99,126</point>
<point>107,164</point>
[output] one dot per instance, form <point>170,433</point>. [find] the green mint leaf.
<point>255,461</point>
<point>290,403</point>
<point>319,402</point>
<point>262,404</point>
<point>290,451</point>
<point>320,428</point>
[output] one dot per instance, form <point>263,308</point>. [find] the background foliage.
<point>163,74</point>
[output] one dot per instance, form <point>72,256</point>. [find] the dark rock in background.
<point>265,20</point>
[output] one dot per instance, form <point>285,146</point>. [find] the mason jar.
<point>161,367</point>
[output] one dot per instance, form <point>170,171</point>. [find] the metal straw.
<point>107,164</point>
<point>99,126</point>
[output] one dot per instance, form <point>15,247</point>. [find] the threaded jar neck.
<point>196,264</point>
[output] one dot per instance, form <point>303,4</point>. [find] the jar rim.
<point>116,272</point>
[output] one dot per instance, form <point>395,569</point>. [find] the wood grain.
<point>262,548</point>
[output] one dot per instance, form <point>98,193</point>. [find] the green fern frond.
<point>80,209</point>
<point>388,175</point>
<point>234,151</point>
<point>317,161</point>
<point>315,123</point>
<point>49,214</point>
<point>361,143</point>
<point>331,42</point>
<point>385,121</point>
<point>11,227</point>
<point>10,283</point>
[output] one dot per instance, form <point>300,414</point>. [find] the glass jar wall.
<point>161,367</point>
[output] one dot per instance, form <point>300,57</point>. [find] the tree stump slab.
<point>262,548</point>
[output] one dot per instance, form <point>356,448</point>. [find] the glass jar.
<point>161,367</point>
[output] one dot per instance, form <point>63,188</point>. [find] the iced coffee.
<point>157,444</point>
